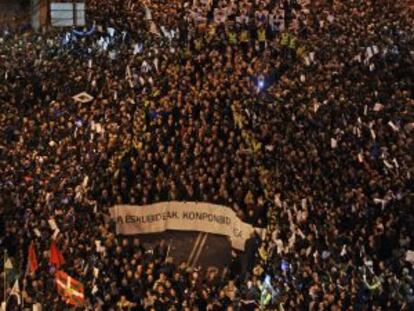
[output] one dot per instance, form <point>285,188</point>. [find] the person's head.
<point>222,294</point>
<point>162,277</point>
<point>177,276</point>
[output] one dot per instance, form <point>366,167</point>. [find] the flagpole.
<point>21,293</point>
<point>168,250</point>
<point>24,284</point>
<point>5,275</point>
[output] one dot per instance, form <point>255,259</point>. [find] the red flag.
<point>32,259</point>
<point>56,257</point>
<point>70,289</point>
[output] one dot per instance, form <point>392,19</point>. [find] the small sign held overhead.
<point>83,98</point>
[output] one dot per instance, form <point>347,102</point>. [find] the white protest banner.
<point>185,216</point>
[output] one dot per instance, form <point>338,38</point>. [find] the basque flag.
<point>70,289</point>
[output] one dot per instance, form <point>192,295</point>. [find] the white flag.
<point>409,256</point>
<point>37,232</point>
<point>395,128</point>
<point>8,264</point>
<point>95,272</point>
<point>372,134</point>
<point>138,48</point>
<point>378,107</point>
<point>334,143</point>
<point>369,52</point>
<point>52,224</point>
<point>312,56</point>
<point>387,164</point>
<point>304,204</point>
<point>55,234</point>
<point>111,31</point>
<point>153,29</point>
<point>16,292</point>
<point>85,181</point>
<point>128,72</point>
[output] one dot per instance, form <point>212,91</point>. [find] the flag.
<point>56,257</point>
<point>10,273</point>
<point>16,292</point>
<point>8,265</point>
<point>32,259</point>
<point>70,289</point>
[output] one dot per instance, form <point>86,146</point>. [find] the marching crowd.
<point>298,115</point>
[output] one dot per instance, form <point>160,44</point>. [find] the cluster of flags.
<point>71,290</point>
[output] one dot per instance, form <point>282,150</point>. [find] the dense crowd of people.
<point>296,114</point>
